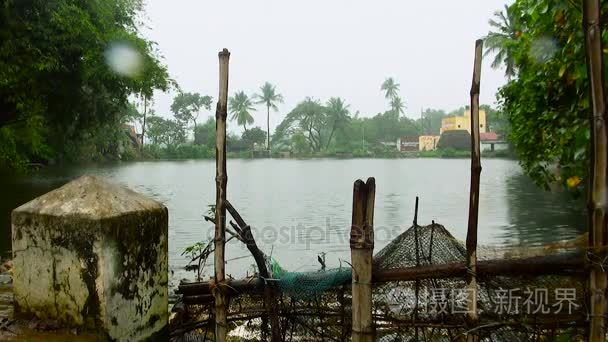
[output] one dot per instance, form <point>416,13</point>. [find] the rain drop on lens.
<point>543,48</point>
<point>123,59</point>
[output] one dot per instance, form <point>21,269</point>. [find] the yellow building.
<point>463,122</point>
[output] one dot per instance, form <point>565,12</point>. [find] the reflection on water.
<point>299,208</point>
<point>540,217</point>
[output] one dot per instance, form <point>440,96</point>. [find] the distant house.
<point>408,143</point>
<point>488,136</point>
<point>490,141</point>
<point>463,122</point>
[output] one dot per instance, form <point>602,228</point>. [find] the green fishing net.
<point>308,284</point>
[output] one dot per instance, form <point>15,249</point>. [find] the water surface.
<point>300,208</point>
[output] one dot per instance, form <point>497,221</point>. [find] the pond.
<point>300,208</point>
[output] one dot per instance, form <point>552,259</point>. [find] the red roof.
<point>488,136</point>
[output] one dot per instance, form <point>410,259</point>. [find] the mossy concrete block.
<point>93,254</point>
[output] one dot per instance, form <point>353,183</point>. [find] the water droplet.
<point>124,59</point>
<point>543,48</point>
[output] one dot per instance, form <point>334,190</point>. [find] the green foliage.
<point>240,106</point>
<point>446,153</point>
<point>503,39</point>
<point>186,107</point>
<point>234,143</point>
<point>183,151</point>
<point>205,134</point>
<point>312,128</point>
<point>390,88</point>
<point>253,136</point>
<point>547,101</point>
<point>309,118</point>
<point>391,92</point>
<point>270,97</point>
<point>165,132</point>
<point>431,121</point>
<point>397,106</point>
<point>198,254</point>
<point>497,121</point>
<point>338,116</point>
<point>299,144</point>
<point>57,91</point>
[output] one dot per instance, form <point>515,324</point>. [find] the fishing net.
<point>308,284</point>
<point>510,308</point>
<point>316,306</point>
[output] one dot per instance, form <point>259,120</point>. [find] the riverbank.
<point>196,153</point>
<point>183,156</point>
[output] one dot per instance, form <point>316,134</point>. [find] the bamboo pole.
<point>221,179</point>
<point>471,243</point>
<point>598,191</point>
<point>361,247</point>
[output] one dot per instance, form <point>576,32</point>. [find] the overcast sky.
<point>326,48</point>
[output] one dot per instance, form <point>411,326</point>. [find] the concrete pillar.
<point>93,254</point>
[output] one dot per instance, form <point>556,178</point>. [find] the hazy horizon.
<point>325,49</point>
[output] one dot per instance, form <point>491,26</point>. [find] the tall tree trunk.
<point>598,175</point>
<point>268,127</point>
<point>143,125</point>
<point>330,136</point>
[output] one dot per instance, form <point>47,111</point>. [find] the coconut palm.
<point>268,96</point>
<point>337,115</point>
<point>390,88</point>
<point>397,106</point>
<point>502,40</point>
<point>240,107</point>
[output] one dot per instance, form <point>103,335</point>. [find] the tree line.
<point>312,128</point>
<point>64,99</point>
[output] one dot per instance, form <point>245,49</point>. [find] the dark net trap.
<point>419,293</point>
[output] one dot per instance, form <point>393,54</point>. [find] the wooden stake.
<point>361,247</point>
<point>417,287</point>
<point>221,179</point>
<point>598,186</point>
<point>471,262</point>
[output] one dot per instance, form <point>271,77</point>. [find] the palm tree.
<point>397,106</point>
<point>502,41</point>
<point>269,96</point>
<point>390,87</point>
<point>337,114</point>
<point>240,106</point>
